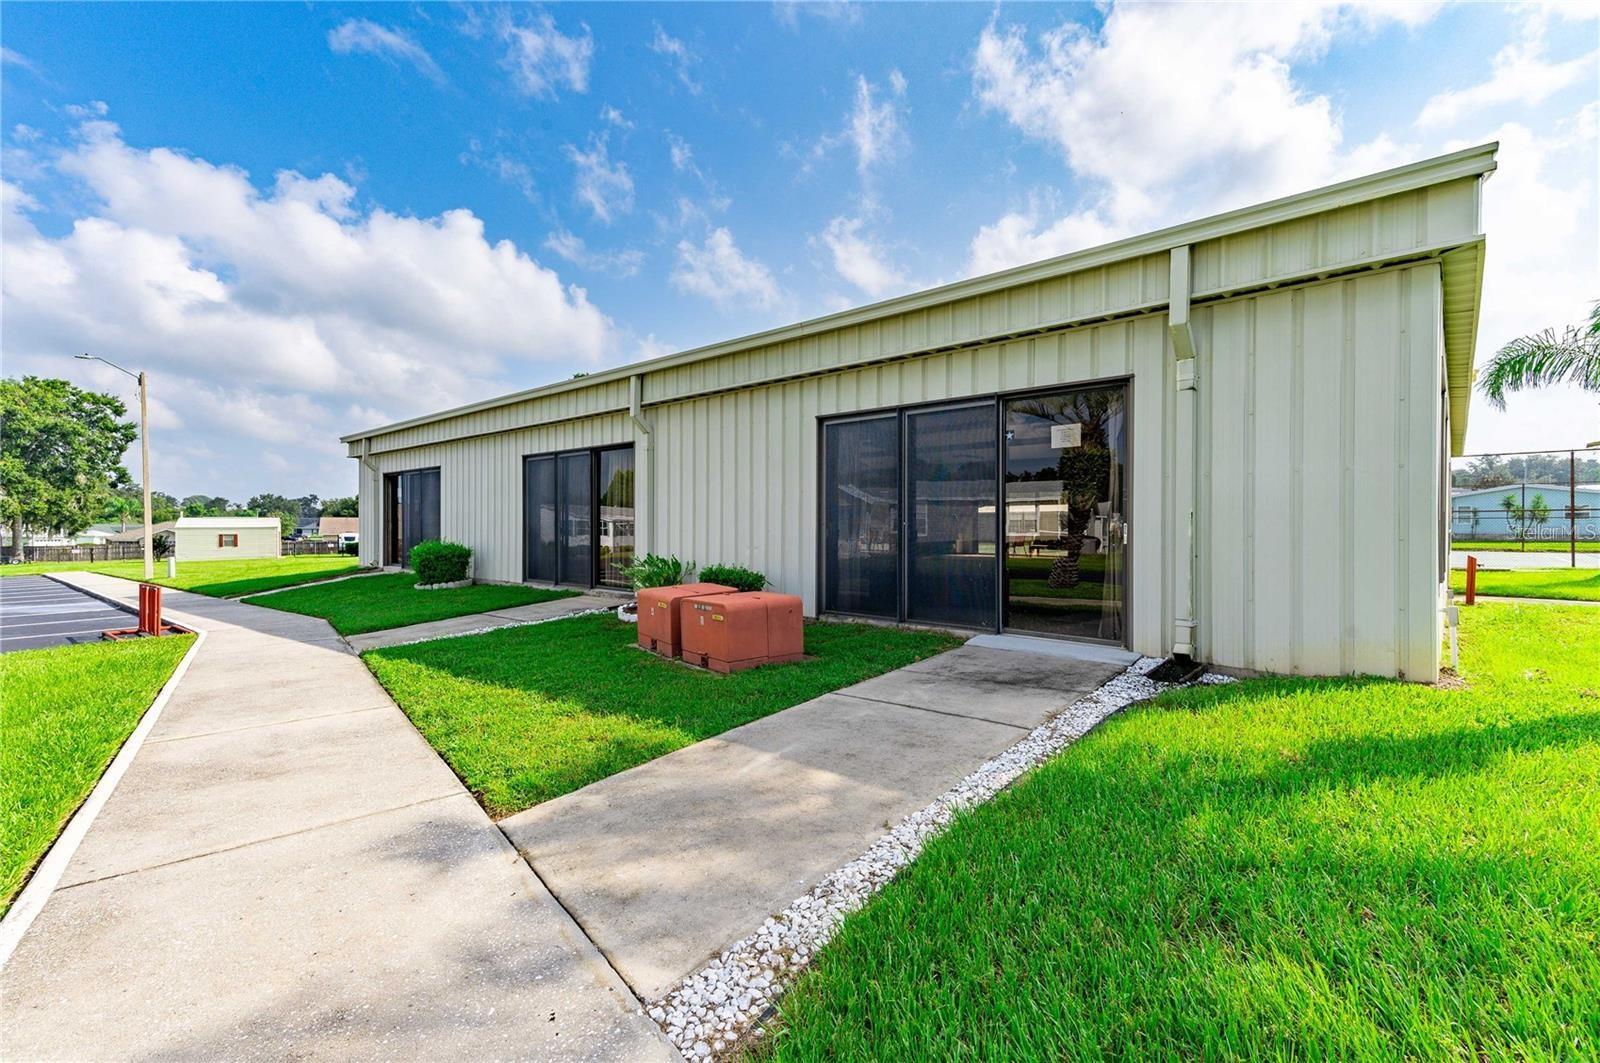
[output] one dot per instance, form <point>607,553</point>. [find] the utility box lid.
<point>733,631</point>
<point>659,613</point>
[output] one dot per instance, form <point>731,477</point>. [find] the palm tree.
<point>122,509</point>
<point>1543,359</point>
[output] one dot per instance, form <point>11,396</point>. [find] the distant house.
<point>344,529</point>
<point>307,528</point>
<point>1481,513</point>
<point>135,532</point>
<point>227,538</point>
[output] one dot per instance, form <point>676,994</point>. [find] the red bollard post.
<point>149,609</point>
<point>1472,579</point>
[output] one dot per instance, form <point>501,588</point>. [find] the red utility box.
<point>732,632</point>
<point>660,618</point>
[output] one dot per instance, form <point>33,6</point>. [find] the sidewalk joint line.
<point>936,712</point>
<point>269,723</point>
<point>258,841</point>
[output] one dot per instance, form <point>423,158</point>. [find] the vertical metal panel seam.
<point>1297,388</point>
<point>1248,495</point>
<point>1347,477</point>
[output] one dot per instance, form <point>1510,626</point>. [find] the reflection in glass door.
<point>950,519</point>
<point>1065,532</point>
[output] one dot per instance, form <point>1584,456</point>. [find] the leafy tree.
<point>288,521</point>
<point>204,505</point>
<point>340,507</point>
<point>163,507</point>
<point>310,507</point>
<point>60,454</point>
<point>122,509</point>
<point>270,503</point>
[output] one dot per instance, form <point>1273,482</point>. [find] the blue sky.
<point>307,219</point>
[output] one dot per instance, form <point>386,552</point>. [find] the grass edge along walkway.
<point>526,714</point>
<point>67,711</point>
<point>390,600</point>
<point>215,579</point>
<point>1276,868</point>
<point>1570,584</point>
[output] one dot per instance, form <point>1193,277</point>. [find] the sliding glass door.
<point>616,516</point>
<point>411,512</point>
<point>575,495</point>
<point>950,520</point>
<point>539,519</point>
<point>861,517</point>
<point>578,517</point>
<point>998,514</point>
<point>1065,480</point>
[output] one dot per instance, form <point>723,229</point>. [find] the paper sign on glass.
<point>1063,436</point>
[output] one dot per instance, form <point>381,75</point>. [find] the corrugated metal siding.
<point>1319,487</point>
<point>480,488</point>
<point>1317,478</point>
<point>1426,218</point>
<point>1119,288</point>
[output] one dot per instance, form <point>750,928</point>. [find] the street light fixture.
<point>144,454</point>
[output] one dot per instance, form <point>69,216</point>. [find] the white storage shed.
<point>227,538</point>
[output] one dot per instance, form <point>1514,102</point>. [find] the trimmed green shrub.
<point>440,562</point>
<point>736,576</point>
<point>653,570</point>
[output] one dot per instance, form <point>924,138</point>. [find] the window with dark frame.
<point>228,539</point>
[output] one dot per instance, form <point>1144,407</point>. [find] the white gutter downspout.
<point>643,467</point>
<point>1186,449</point>
<point>367,541</point>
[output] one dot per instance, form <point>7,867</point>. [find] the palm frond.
<point>1545,358</point>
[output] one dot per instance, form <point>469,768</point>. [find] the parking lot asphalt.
<point>36,613</point>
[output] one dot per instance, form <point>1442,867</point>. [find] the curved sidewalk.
<point>287,869</point>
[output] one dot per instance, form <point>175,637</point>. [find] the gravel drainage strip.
<point>726,1001</point>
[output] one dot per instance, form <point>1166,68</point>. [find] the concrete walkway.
<point>288,870</point>
<point>665,864</point>
<point>474,622</point>
<point>1520,560</point>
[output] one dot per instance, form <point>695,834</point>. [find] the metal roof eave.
<point>1467,162</point>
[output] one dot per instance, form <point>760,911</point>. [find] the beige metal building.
<point>1227,438</point>
<point>227,538</point>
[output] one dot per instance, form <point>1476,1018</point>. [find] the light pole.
<point>144,456</point>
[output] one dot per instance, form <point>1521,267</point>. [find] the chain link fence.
<point>1526,510</point>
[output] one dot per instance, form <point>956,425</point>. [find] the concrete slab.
<point>461,625</point>
<point>416,933</point>
<point>269,879</point>
<point>666,863</point>
<point>1018,689</point>
<point>220,791</point>
<point>1048,647</point>
<point>436,629</point>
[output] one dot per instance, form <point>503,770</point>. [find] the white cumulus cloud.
<point>860,259</point>
<point>605,187</point>
<point>542,59</point>
<point>368,37</point>
<point>261,311</point>
<point>719,271</point>
<point>1153,131</point>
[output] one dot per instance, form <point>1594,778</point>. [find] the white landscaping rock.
<point>726,999</point>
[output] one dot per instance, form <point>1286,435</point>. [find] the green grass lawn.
<point>64,714</point>
<point>1571,584</point>
<point>377,603</point>
<point>527,714</point>
<point>1543,546</point>
<point>1279,868</point>
<point>219,579</point>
